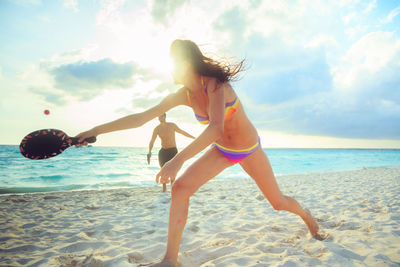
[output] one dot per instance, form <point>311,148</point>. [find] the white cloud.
<point>367,88</point>
<point>26,2</point>
<point>389,18</point>
<point>370,7</point>
<point>367,56</point>
<point>49,95</point>
<point>350,17</point>
<point>147,42</point>
<point>294,23</point>
<point>34,75</point>
<point>45,19</point>
<point>71,4</point>
<point>89,53</point>
<point>274,17</point>
<point>322,40</point>
<point>303,72</point>
<point>373,51</point>
<point>109,15</point>
<point>94,75</point>
<point>80,74</point>
<point>356,31</point>
<point>161,10</point>
<point>347,3</point>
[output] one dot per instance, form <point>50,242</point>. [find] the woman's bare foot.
<point>311,224</point>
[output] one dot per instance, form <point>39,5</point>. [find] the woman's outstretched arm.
<point>138,119</point>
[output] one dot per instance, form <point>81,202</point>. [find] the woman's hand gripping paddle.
<point>47,143</point>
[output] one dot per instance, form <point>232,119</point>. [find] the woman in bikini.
<point>234,139</point>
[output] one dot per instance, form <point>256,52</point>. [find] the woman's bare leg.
<point>201,171</point>
<point>258,167</point>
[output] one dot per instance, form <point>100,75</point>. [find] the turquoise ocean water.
<point>113,167</point>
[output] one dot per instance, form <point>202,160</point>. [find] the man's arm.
<point>179,130</point>
<point>153,138</point>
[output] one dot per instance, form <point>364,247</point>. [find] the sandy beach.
<point>230,224</point>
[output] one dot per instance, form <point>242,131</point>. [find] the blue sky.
<point>319,73</point>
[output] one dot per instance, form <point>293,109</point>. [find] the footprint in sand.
<point>165,201</point>
<point>193,228</point>
<point>19,200</point>
<point>321,219</point>
<point>276,229</point>
<point>28,225</point>
<point>122,194</point>
<point>50,197</point>
<point>367,229</point>
<point>206,212</point>
<point>91,208</point>
<point>260,197</point>
<point>332,225</point>
<point>90,233</point>
<point>134,257</point>
<point>317,253</point>
<point>350,226</point>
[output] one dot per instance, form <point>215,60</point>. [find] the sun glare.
<point>153,55</point>
<point>147,43</point>
<point>162,64</point>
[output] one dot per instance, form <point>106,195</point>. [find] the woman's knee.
<point>180,190</point>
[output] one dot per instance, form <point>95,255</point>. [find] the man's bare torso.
<point>166,132</point>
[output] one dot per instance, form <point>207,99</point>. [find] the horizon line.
<point>360,148</point>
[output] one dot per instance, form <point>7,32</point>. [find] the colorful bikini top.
<point>230,107</point>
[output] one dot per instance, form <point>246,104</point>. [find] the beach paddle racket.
<point>47,143</point>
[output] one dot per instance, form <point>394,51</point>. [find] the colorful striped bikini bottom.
<point>236,156</point>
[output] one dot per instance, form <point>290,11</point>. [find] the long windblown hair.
<point>182,50</point>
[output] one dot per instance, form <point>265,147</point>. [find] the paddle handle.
<point>75,140</point>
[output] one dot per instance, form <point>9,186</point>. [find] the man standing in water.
<point>166,132</point>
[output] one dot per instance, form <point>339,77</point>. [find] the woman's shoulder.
<point>183,94</point>
<point>182,90</point>
<point>212,84</point>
